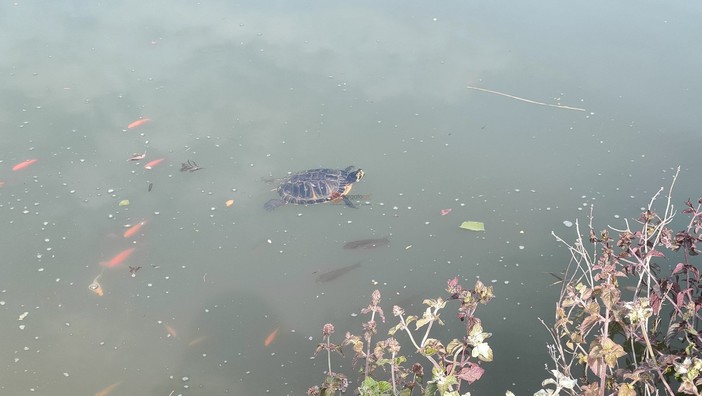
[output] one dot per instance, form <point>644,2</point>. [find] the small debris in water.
<point>567,223</point>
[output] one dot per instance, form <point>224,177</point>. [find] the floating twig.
<point>137,156</point>
<point>525,100</point>
<point>190,166</point>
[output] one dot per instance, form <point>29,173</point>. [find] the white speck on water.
<point>567,223</point>
<point>521,247</point>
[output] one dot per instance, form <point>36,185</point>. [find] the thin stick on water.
<point>525,100</point>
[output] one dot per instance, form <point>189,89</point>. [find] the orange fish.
<point>108,389</point>
<point>24,164</point>
<point>153,163</point>
<point>138,123</point>
<point>95,287</point>
<point>119,258</point>
<point>271,337</point>
<point>171,331</point>
<point>197,340</point>
<point>133,229</point>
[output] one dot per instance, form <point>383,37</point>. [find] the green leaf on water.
<point>473,225</point>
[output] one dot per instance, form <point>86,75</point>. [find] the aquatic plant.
<point>453,366</point>
<point>627,322</point>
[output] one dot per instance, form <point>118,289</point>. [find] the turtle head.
<point>355,176</point>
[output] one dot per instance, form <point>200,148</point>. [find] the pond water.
<point>517,115</point>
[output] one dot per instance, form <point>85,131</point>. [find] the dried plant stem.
<point>392,374</point>
<point>368,346</point>
<point>426,333</point>
<point>329,355</point>
<point>525,100</point>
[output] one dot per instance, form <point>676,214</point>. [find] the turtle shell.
<point>317,185</point>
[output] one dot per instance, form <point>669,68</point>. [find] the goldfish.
<point>133,229</point>
<point>118,259</point>
<point>107,390</point>
<point>271,337</point>
<point>153,163</point>
<point>24,164</point>
<point>197,340</point>
<point>95,287</point>
<point>171,331</point>
<point>229,202</point>
<point>444,212</point>
<point>138,123</point>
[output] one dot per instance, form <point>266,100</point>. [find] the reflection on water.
<point>140,137</point>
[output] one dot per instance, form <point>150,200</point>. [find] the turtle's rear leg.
<point>273,203</point>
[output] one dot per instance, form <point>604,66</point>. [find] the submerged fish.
<point>335,273</point>
<point>138,123</point>
<point>271,337</point>
<point>118,259</point>
<point>24,164</point>
<point>367,243</point>
<point>107,390</point>
<point>133,229</point>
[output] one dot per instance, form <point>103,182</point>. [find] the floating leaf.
<point>124,202</point>
<point>473,226</point>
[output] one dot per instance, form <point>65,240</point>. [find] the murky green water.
<point>252,91</point>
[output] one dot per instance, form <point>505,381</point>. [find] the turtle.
<point>316,186</point>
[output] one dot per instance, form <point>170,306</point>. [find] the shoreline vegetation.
<point>627,321</point>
